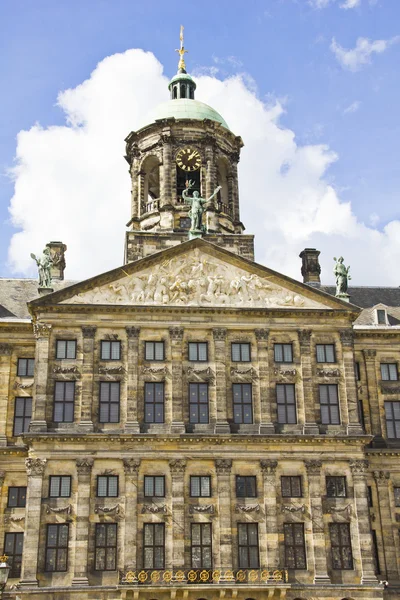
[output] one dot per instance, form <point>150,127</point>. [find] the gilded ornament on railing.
<point>241,575</point>
<point>167,576</point>
<point>206,576</point>
<point>192,575</point>
<point>180,576</point>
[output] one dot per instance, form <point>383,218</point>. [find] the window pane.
<point>113,486</point>
<point>159,487</point>
<point>65,487</point>
<point>192,351</point>
<point>205,486</point>
<point>105,350</point>
<point>195,487</point>
<point>159,350</point>
<point>287,353</point>
<point>278,352</point>
<point>115,350</point>
<point>236,352</point>
<point>320,353</point>
<point>330,353</point>
<point>101,486</point>
<point>71,349</point>
<point>202,351</point>
<point>149,486</point>
<point>393,372</point>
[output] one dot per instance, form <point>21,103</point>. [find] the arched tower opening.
<point>151,182</point>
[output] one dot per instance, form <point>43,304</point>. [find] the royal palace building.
<point>193,425</point>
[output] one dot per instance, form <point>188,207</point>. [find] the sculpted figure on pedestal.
<point>342,276</point>
<point>44,263</point>
<point>196,207</point>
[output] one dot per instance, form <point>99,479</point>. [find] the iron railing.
<point>231,576</point>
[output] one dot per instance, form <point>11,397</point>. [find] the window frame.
<point>247,486</point>
<point>154,403</point>
<point>396,494</point>
<point>108,403</point>
<point>335,480</point>
<point>153,343</point>
<point>389,372</point>
<point>241,405</point>
<point>154,546</point>
<point>28,362</point>
<point>197,406</point>
<point>378,318</point>
<point>393,420</point>
<point>24,417</point>
<point>111,343</point>
<point>202,526</point>
<point>290,480</point>
<point>15,570</point>
<point>248,546</point>
<point>286,404</point>
<point>60,485</point>
<point>241,345</point>
<point>200,478</point>
<point>282,346</point>
<point>325,346</point>
<point>20,503</point>
<point>339,527</point>
<point>107,477</point>
<point>57,548</point>
<point>329,404</point>
<point>296,548</point>
<point>66,341</point>
<point>197,346</point>
<point>154,477</point>
<point>106,547</point>
<point>64,402</point>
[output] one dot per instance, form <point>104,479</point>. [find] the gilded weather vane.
<point>181,51</point>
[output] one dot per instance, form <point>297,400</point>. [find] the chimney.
<point>57,253</point>
<point>310,268</point>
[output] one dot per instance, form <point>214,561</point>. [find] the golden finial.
<point>181,51</point>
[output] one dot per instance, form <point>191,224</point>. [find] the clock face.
<point>188,159</point>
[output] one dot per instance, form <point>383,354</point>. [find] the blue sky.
<point>284,48</point>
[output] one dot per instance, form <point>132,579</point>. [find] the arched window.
<point>175,92</point>
<point>191,92</point>
<point>151,192</point>
<point>222,180</point>
<point>183,90</point>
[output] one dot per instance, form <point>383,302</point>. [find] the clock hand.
<point>192,155</point>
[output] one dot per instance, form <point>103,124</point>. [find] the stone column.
<point>3,504</point>
<point>177,467</point>
<point>235,189</point>
<point>85,421</point>
<point>266,425</point>
<point>222,425</point>
<point>131,468</point>
<point>84,469</point>
<point>310,426</point>
<point>35,468</point>
<point>223,467</point>
<point>314,483</point>
<point>135,188</point>
<point>354,426</point>
<point>176,335</point>
<point>382,479</point>
<point>372,391</point>
<point>132,423</point>
<point>42,333</point>
<point>166,193</point>
<point>268,468</point>
<point>5,366</point>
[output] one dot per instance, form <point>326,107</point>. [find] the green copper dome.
<point>185,108</point>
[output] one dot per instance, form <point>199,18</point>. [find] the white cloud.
<point>352,108</point>
<point>355,58</point>
<point>346,4</point>
<point>72,184</point>
<point>350,4</point>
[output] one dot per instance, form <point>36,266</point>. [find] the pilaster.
<point>382,479</point>
<point>86,422</point>
<point>223,467</point>
<point>266,425</point>
<point>310,425</point>
<point>314,483</point>
<point>131,468</point>
<point>354,426</point>
<point>132,423</point>
<point>219,335</point>
<point>177,468</point>
<point>372,387</point>
<point>42,333</point>
<point>166,194</point>
<point>268,468</point>
<point>84,470</point>
<point>5,367</point>
<point>176,336</point>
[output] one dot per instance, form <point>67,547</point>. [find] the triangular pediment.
<point>198,274</point>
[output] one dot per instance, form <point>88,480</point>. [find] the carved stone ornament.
<point>346,511</point>
<point>177,466</point>
<point>154,371</point>
<point>206,374</point>
<point>292,508</point>
<point>247,508</point>
<point>268,467</point>
<point>5,349</point>
<point>154,509</point>
<point>35,466</point>
<point>388,388</point>
<point>13,519</point>
<point>219,334</point>
<point>223,466</point>
<point>239,373</point>
<point>2,476</point>
<point>133,332</point>
<point>369,354</point>
<point>347,337</point>
<point>131,466</point>
<point>89,331</point>
<point>202,509</point>
<point>313,466</point>
<point>62,509</point>
<point>284,372</point>
<point>304,336</point>
<point>381,477</point>
<point>22,386</point>
<point>116,509</point>
<point>359,467</point>
<point>176,333</point>
<point>84,465</point>
<point>194,279</point>
<point>328,372</point>
<point>262,335</point>
<point>59,370</point>
<point>41,330</point>
<point>120,370</point>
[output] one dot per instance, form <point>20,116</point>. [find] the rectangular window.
<point>325,353</point>
<point>26,367</point>
<point>248,546</point>
<point>16,497</point>
<point>198,402</point>
<point>342,557</point>
<point>106,547</point>
<point>295,547</point>
<point>381,316</point>
<point>22,415</point>
<point>153,546</point>
<point>246,486</point>
<point>107,486</point>
<point>389,372</point>
<point>57,548</point>
<point>397,496</point>
<point>110,350</point>
<point>329,404</point>
<point>357,371</point>
<point>392,413</point>
<point>154,486</point>
<point>286,403</point>
<point>336,487</point>
<point>200,486</point>
<point>375,551</point>
<point>185,222</point>
<point>291,486</point>
<point>240,352</point>
<point>154,351</point>
<point>283,353</point>
<point>64,401</point>
<point>154,402</point>
<point>13,545</point>
<point>201,546</point>
<point>109,402</point>
<point>60,486</point>
<point>198,351</point>
<point>370,496</point>
<point>242,403</point>
<point>65,349</point>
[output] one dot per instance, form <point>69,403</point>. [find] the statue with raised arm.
<point>196,207</point>
<point>342,277</point>
<point>44,263</point>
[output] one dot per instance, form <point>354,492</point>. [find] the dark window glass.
<point>336,487</point>
<point>329,404</point>
<point>153,546</point>
<point>248,546</point>
<point>375,552</point>
<point>109,402</point>
<point>64,400</point>
<point>240,352</point>
<point>57,548</point>
<point>198,351</point>
<point>342,557</point>
<point>13,545</point>
<point>325,353</point>
<point>26,367</point>
<point>392,413</point>
<point>107,486</point>
<point>154,350</point>
<point>295,548</point>
<point>286,403</point>
<point>389,372</point>
<point>198,402</point>
<point>154,402</point>
<point>283,353</point>
<point>381,315</point>
<point>106,547</point>
<point>246,486</point>
<point>22,415</point>
<point>59,486</point>
<point>154,486</point>
<point>397,496</point>
<point>66,349</point>
<point>242,403</point>
<point>16,497</point>
<point>201,546</point>
<point>200,486</point>
<point>185,222</point>
<point>110,350</point>
<point>357,371</point>
<point>291,486</point>
<point>370,496</point>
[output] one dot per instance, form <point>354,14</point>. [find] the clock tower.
<point>186,151</point>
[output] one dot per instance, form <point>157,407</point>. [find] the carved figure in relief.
<point>196,206</point>
<point>44,264</point>
<point>342,276</point>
